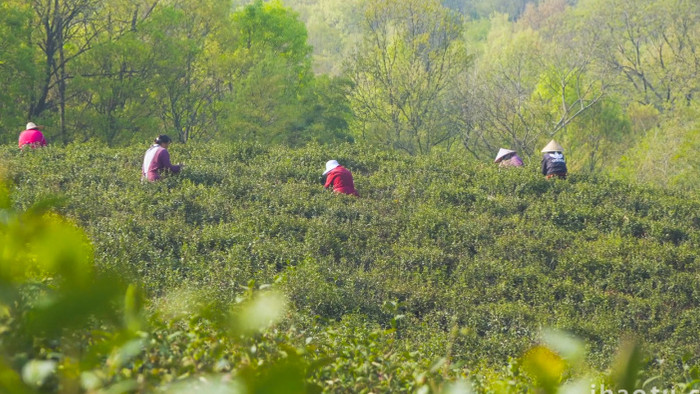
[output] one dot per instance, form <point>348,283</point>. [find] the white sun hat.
<point>331,164</point>
<point>553,146</point>
<point>502,152</point>
<point>30,126</point>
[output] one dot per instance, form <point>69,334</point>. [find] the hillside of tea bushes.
<point>443,269</point>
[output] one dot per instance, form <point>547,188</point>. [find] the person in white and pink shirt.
<point>156,161</point>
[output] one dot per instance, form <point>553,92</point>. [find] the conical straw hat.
<point>502,152</point>
<point>553,146</point>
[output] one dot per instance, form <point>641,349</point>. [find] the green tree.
<point>666,155</point>
<point>271,73</point>
<point>50,295</point>
<point>528,86</point>
<point>652,46</point>
<point>110,99</point>
<point>497,104</point>
<point>328,111</point>
<point>188,84</point>
<point>65,30</point>
<point>599,138</point>
<point>17,67</point>
<point>402,71</point>
<point>485,8</point>
<point>334,28</point>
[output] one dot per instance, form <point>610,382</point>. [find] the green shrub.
<point>475,260</point>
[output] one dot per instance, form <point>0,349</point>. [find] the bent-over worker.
<point>508,158</point>
<point>340,178</point>
<point>156,161</point>
<point>31,137</point>
<point>553,161</point>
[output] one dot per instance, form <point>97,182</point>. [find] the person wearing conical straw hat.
<point>31,137</point>
<point>553,161</point>
<point>508,158</point>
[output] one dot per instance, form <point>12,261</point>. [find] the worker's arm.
<point>329,180</point>
<point>544,166</point>
<point>164,161</point>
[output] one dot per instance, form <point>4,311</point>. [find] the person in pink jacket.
<point>31,137</point>
<point>156,161</point>
<point>339,178</point>
<point>508,158</point>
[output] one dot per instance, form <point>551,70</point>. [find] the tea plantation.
<point>445,274</point>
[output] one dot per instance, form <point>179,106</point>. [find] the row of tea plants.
<point>242,274</point>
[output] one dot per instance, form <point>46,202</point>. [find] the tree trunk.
<point>61,79</point>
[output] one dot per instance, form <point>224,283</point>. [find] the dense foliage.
<point>117,71</point>
<point>618,89</point>
<point>243,275</point>
<point>444,268</point>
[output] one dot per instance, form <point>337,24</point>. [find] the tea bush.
<point>443,269</point>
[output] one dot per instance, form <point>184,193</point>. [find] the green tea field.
<point>242,274</point>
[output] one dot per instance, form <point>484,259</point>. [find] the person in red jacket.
<point>31,137</point>
<point>157,160</point>
<point>340,178</point>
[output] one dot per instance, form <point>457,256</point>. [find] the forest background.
<point>616,82</point>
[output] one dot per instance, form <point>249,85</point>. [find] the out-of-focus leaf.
<point>133,305</point>
<point>125,353</point>
<point>458,387</point>
<point>5,201</point>
<point>11,382</point>
<point>259,313</point>
<point>71,309</point>
<point>215,384</point>
<point>35,372</point>
<point>45,205</point>
<point>180,303</point>
<point>545,366</point>
<point>627,365</point>
<point>284,377</point>
<point>90,380</point>
<point>126,386</point>
<point>35,247</point>
<point>576,387</point>
<point>572,349</point>
<point>64,250</point>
